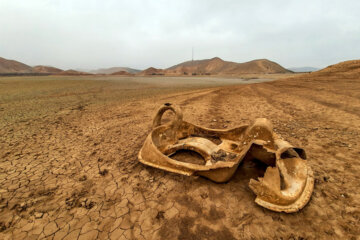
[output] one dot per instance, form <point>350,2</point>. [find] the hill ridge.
<point>12,66</point>
<point>218,66</point>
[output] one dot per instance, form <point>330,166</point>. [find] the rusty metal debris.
<point>288,181</point>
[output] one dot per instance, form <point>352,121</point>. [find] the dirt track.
<point>74,174</point>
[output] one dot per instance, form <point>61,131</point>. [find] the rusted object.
<point>287,183</point>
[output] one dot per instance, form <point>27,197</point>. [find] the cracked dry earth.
<point>73,173</point>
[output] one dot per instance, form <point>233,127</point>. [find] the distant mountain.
<point>71,72</point>
<point>11,66</point>
<point>152,71</point>
<point>46,69</point>
<point>217,66</point>
<point>303,69</point>
<point>115,69</point>
<point>122,73</point>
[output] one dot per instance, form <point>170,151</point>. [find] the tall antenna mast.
<point>192,54</point>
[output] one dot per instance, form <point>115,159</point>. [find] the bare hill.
<point>343,70</point>
<point>115,69</point>
<point>46,69</point>
<point>11,66</point>
<point>152,71</point>
<point>347,68</point>
<point>217,66</point>
<point>122,73</point>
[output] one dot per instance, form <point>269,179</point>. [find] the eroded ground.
<point>69,169</point>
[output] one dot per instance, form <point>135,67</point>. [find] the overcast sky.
<point>92,34</point>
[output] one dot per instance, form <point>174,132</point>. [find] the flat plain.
<point>69,168</point>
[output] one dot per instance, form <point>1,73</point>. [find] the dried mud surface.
<point>69,169</point>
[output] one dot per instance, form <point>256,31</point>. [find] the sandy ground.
<point>69,168</point>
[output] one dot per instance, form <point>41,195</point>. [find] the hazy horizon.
<point>140,34</point>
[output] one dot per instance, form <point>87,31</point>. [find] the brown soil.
<point>69,167</point>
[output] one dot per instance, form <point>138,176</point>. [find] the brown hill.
<point>152,71</point>
<point>343,70</point>
<point>46,69</point>
<point>217,66</point>
<point>346,69</point>
<point>73,73</point>
<point>122,73</point>
<point>11,66</point>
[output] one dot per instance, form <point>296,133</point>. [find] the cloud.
<point>94,34</point>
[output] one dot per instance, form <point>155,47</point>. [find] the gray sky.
<point>92,34</point>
